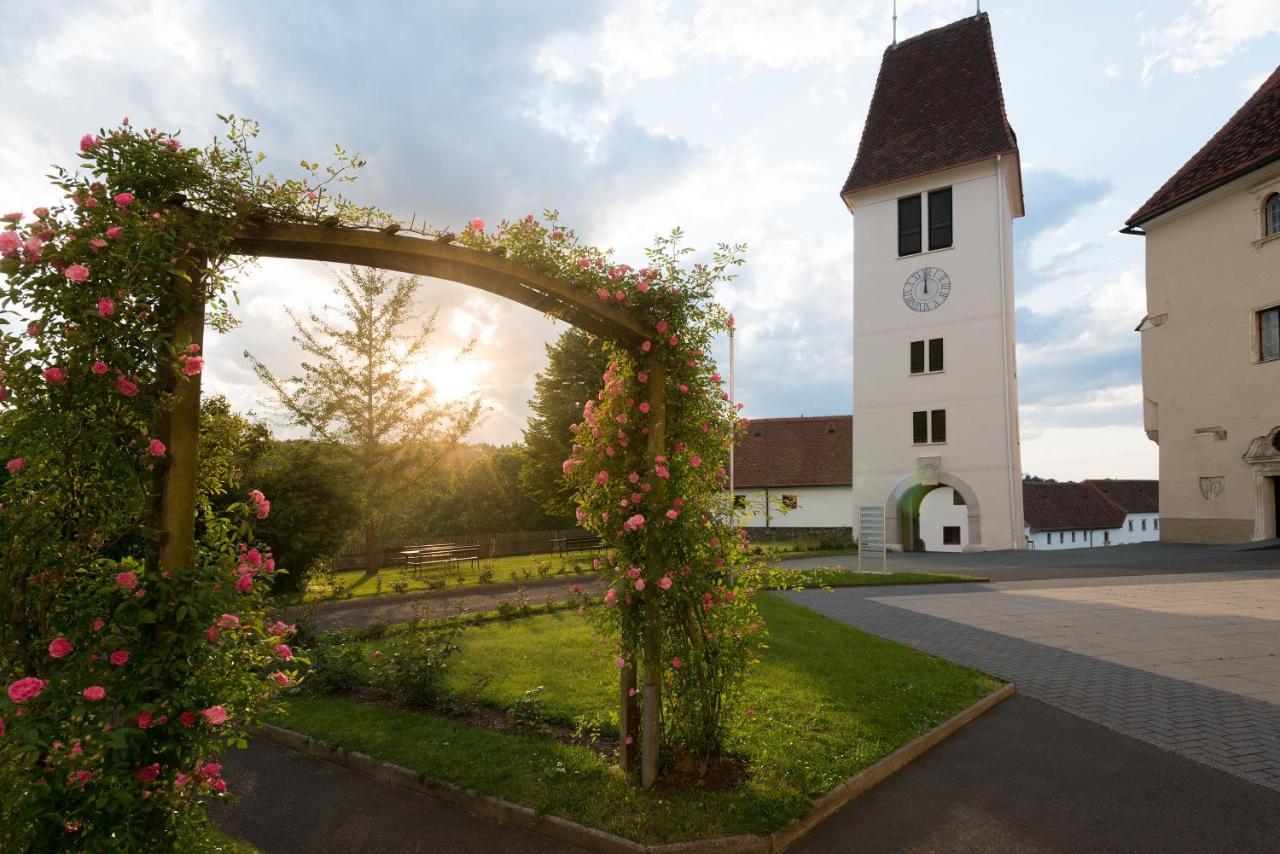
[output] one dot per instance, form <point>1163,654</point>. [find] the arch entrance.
<point>902,512</point>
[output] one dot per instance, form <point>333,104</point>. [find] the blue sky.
<point>737,119</point>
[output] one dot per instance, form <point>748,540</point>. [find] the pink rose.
<point>94,693</point>
<point>665,582</point>
<point>26,689</point>
<point>695,461</point>
<point>97,625</point>
<point>662,326</point>
<point>76,273</point>
<point>119,658</point>
<point>620,662</point>
<point>88,141</point>
<point>602,477</point>
<point>156,448</point>
<point>264,509</point>
<point>148,774</point>
<point>644,407</point>
<point>15,465</point>
<point>181,780</point>
<point>610,596</point>
<point>16,216</point>
<point>127,580</point>
<point>281,679</point>
<point>9,243</point>
<point>677,662</point>
<point>55,376</point>
<point>284,652</point>
<point>99,368</point>
<point>211,634</point>
<point>476,224</point>
<point>215,715</point>
<point>147,719</point>
<point>229,621</point>
<point>114,232</point>
<point>187,719</point>
<point>123,199</point>
<point>192,365</point>
<point>646,346</point>
<point>60,647</point>
<point>244,583</point>
<point>126,386</point>
<point>106,307</point>
<point>639,583</point>
<point>672,514</point>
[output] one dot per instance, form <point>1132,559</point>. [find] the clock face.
<point>926,289</point>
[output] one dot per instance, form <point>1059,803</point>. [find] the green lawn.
<point>835,577</point>
<point>828,700</point>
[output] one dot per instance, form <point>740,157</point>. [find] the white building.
<point>933,192</point>
<point>794,475</point>
<point>1091,514</point>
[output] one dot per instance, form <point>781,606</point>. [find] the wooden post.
<point>179,429</point>
<point>628,717</point>
<point>651,735</point>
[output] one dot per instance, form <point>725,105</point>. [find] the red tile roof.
<point>937,104</point>
<point>1251,139</point>
<point>795,452</point>
<point>1068,506</point>
<point>1134,496</point>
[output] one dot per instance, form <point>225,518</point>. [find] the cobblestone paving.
<point>1024,631</point>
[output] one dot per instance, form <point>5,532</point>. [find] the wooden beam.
<point>179,428</point>
<point>409,254</point>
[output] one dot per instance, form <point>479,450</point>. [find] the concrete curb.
<point>591,839</point>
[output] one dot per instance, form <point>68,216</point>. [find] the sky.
<point>737,120</point>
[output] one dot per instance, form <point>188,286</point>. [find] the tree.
<point>575,364</point>
<point>357,392</point>
<point>310,485</point>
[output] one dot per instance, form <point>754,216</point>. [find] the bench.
<point>564,545</point>
<point>438,554</point>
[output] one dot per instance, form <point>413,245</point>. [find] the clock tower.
<point>933,192</point>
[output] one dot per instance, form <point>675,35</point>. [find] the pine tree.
<point>575,364</point>
<point>355,390</point>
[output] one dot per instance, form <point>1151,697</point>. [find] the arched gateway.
<point>436,257</point>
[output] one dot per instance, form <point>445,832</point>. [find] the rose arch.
<point>132,648</point>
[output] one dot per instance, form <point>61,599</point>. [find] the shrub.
<point>412,670</point>
<point>336,667</point>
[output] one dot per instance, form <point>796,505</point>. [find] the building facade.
<point>793,476</point>
<point>1090,514</point>
<point>933,191</point>
<point>1211,335</point>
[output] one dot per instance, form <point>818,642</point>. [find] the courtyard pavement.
<point>1189,662</point>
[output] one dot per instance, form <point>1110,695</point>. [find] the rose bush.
<point>663,511</point>
<point>126,679</point>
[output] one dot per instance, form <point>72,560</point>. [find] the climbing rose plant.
<point>674,550</point>
<point>123,682</point>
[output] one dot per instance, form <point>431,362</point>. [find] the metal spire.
<point>895,23</point>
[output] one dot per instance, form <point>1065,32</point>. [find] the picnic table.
<point>564,545</point>
<point>439,554</point>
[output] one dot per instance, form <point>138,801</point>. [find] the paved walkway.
<point>287,802</point>
<point>1189,662</point>
<point>1026,777</point>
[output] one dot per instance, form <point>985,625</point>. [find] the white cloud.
<point>1113,71</point>
<point>1207,34</point>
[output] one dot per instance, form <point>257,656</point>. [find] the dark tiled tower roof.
<point>937,104</point>
<point>1250,139</point>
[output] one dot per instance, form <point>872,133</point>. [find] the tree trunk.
<point>651,724</point>
<point>371,547</point>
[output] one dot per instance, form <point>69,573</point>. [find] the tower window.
<point>929,427</point>
<point>920,428</point>
<point>1269,334</point>
<point>1271,215</point>
<point>951,535</point>
<point>934,363</point>
<point>940,219</point>
<point>909,225</point>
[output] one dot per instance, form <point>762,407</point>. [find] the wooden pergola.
<point>436,257</point>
